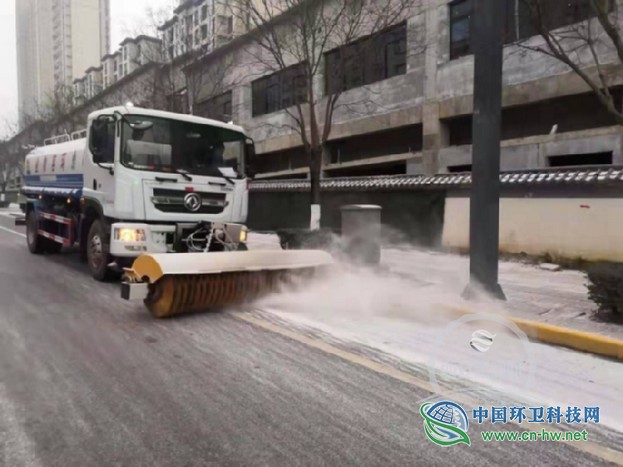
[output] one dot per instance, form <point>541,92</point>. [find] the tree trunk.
<point>314,174</point>
<point>314,178</point>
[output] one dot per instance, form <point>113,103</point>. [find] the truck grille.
<point>173,201</point>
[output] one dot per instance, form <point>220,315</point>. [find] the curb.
<point>564,337</point>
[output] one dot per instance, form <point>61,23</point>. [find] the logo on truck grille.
<point>192,202</point>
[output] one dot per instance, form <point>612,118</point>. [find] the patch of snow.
<point>550,267</point>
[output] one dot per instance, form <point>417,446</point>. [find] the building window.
<point>368,60</point>
<point>204,12</point>
<point>178,101</point>
<point>230,25</point>
<point>279,90</point>
<point>204,32</point>
<point>218,107</point>
<point>522,19</point>
<point>460,26</point>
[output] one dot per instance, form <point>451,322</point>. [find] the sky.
<point>128,17</point>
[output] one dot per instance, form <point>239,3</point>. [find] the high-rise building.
<point>56,41</point>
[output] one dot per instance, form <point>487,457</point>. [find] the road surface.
<point>88,379</point>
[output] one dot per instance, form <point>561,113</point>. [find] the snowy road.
<point>334,374</point>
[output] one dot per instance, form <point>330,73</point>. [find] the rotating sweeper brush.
<point>170,284</point>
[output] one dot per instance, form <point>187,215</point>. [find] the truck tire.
<point>98,256</point>
<point>36,243</point>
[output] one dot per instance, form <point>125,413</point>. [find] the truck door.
<point>99,182</point>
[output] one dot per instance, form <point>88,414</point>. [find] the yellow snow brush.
<point>175,283</point>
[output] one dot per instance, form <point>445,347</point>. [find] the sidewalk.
<point>559,298</point>
<point>11,212</point>
<point>555,297</point>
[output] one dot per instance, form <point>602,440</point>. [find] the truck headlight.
<point>130,235</point>
<point>243,236</point>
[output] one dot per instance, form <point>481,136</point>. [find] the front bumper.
<point>152,240</point>
<point>129,240</point>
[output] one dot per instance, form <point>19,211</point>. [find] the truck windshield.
<point>172,145</point>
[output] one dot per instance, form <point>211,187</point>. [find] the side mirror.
<point>249,158</point>
<point>99,139</point>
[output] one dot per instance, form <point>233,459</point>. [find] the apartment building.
<point>407,107</point>
<point>56,41</point>
<point>138,51</point>
<point>132,55</point>
<point>198,25</point>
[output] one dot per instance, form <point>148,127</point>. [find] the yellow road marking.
<point>557,335</point>
<point>589,447</point>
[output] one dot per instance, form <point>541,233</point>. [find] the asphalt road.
<point>88,379</point>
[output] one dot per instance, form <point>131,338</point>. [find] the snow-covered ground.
<point>395,309</point>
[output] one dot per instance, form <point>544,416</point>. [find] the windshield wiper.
<point>224,174</point>
<point>183,173</point>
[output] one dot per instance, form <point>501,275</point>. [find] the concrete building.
<point>93,83</point>
<point>56,41</point>
<point>133,54</point>
<point>199,25</point>
<point>138,51</point>
<point>418,102</point>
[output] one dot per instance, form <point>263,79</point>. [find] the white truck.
<point>139,181</point>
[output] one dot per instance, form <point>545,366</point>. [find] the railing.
<point>583,175</point>
<point>80,134</point>
<point>64,138</point>
<point>57,139</point>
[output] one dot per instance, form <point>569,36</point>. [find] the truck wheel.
<point>98,256</point>
<point>36,243</point>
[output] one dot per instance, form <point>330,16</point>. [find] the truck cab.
<point>151,182</point>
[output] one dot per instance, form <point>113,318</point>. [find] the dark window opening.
<point>382,143</point>
<point>178,102</point>
<point>280,90</point>
<point>368,60</point>
<point>230,25</point>
<point>522,19</point>
<point>393,168</point>
<point>217,108</point>
<point>572,160</point>
<point>297,176</point>
<point>460,26</point>
<point>453,169</point>
<point>280,161</point>
<point>569,113</point>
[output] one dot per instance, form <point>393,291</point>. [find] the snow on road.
<point>400,315</point>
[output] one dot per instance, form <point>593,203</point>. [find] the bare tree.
<point>172,90</point>
<point>183,81</point>
<point>58,111</point>
<point>589,42</point>
<point>294,37</point>
<point>10,161</point>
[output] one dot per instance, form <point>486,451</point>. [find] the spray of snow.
<point>395,308</point>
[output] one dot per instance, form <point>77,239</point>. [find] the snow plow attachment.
<point>171,284</point>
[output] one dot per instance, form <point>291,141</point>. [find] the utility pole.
<point>484,229</point>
